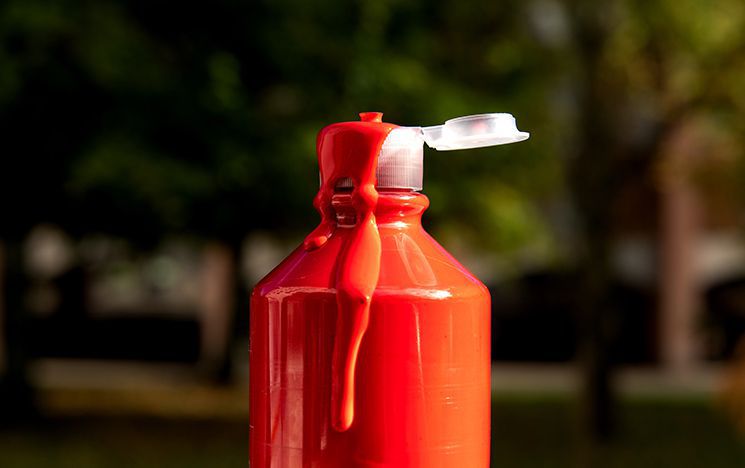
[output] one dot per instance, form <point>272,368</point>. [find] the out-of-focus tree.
<point>643,70</point>
<point>143,119</point>
<point>140,118</point>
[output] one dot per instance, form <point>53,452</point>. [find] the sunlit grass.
<point>528,432</point>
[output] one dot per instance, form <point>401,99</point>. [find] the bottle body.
<point>422,378</point>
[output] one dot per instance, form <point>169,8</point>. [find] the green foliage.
<point>144,118</point>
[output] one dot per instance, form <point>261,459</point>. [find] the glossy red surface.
<point>369,343</point>
<point>422,378</point>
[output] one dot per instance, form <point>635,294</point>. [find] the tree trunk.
<point>679,219</point>
<point>218,304</point>
<point>16,393</point>
<point>596,335</point>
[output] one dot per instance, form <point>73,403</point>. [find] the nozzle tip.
<point>371,116</point>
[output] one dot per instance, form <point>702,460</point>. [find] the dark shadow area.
<point>534,319</point>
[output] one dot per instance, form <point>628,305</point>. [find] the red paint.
<point>370,343</point>
<point>350,149</point>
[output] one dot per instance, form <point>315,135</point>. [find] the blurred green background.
<point>159,158</point>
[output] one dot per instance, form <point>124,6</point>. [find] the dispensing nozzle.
<point>400,159</point>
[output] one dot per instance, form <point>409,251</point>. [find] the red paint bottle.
<point>369,344</point>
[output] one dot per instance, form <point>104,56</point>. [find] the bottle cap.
<point>400,160</point>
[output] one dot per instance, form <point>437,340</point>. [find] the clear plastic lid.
<point>400,163</point>
<point>474,131</point>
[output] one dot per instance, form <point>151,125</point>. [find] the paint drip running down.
<point>350,150</point>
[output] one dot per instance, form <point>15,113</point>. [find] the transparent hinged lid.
<point>400,160</point>
<point>474,131</point>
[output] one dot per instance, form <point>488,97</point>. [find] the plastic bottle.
<point>369,344</point>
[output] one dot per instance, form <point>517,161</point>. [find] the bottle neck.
<point>400,209</point>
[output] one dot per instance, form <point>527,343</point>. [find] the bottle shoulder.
<point>302,268</point>
<point>413,258</point>
<point>412,262</point>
